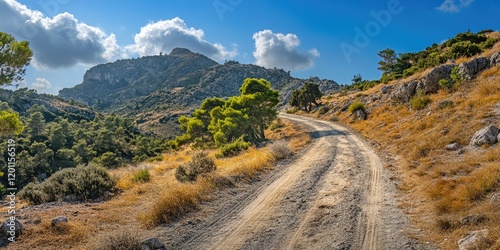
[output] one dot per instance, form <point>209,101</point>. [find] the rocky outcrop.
<point>487,135</point>
<point>470,69</point>
<point>405,92</point>
<point>58,220</point>
<point>360,115</point>
<point>453,146</point>
<point>430,82</point>
<point>12,228</point>
<point>495,59</point>
<point>473,240</point>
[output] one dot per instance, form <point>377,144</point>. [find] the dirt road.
<point>334,195</point>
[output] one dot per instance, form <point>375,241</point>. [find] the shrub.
<point>280,149</point>
<point>142,175</point>
<point>108,160</point>
<point>445,104</point>
<point>292,110</point>
<point>233,148</point>
<point>455,75</point>
<point>201,164</point>
<point>119,240</point>
<point>410,71</point>
<point>419,101</point>
<point>277,124</point>
<point>445,84</point>
<point>322,110</point>
<point>81,183</point>
<point>464,49</point>
<point>355,106</point>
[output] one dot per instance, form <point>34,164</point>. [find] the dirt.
<point>335,194</point>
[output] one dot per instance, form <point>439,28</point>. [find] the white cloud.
<point>42,85</point>
<point>163,36</point>
<point>281,51</point>
<point>454,6</point>
<point>57,42</point>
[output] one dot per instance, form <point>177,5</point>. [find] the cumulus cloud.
<point>454,6</point>
<point>60,41</point>
<point>163,36</point>
<point>281,51</point>
<point>41,85</point>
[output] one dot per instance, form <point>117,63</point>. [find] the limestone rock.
<point>59,220</point>
<point>469,70</point>
<point>430,82</point>
<point>495,59</point>
<point>360,115</point>
<point>453,147</point>
<point>152,244</point>
<point>10,227</point>
<point>384,90</point>
<point>487,135</point>
<point>473,240</point>
<point>405,92</point>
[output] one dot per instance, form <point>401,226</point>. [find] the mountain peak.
<point>180,52</point>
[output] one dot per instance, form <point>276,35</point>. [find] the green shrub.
<point>410,71</point>
<point>322,110</point>
<point>419,101</point>
<point>292,110</point>
<point>445,84</point>
<point>201,164</point>
<point>108,160</point>
<point>455,75</point>
<point>277,124</point>
<point>464,49</point>
<point>233,148</point>
<point>142,175</point>
<point>81,183</point>
<point>355,106</point>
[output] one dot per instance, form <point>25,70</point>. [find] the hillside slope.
<point>451,184</point>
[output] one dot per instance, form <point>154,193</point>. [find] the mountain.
<point>157,89</point>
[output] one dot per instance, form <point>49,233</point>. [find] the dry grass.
<point>442,187</point>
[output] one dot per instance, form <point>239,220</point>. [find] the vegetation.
<point>233,123</point>
<point>142,175</point>
<point>355,106</point>
<point>201,164</point>
<point>81,183</point>
<point>419,101</point>
<point>306,96</point>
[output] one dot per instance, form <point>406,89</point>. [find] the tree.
<point>14,57</point>
<point>10,123</point>
<point>356,79</point>
<point>306,96</point>
<point>36,125</point>
<point>389,60</point>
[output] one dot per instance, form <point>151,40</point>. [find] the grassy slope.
<point>442,187</point>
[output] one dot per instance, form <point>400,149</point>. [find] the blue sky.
<point>328,39</point>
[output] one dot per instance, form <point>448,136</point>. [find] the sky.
<point>324,38</point>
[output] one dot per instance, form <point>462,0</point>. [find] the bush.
<point>292,110</point>
<point>201,164</point>
<point>277,124</point>
<point>108,160</point>
<point>233,148</point>
<point>119,240</point>
<point>142,175</point>
<point>464,49</point>
<point>280,149</point>
<point>455,75</point>
<point>410,71</point>
<point>322,110</point>
<point>419,102</point>
<point>355,106</point>
<point>81,183</point>
<point>445,84</point>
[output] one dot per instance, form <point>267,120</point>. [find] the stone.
<point>8,225</point>
<point>385,89</point>
<point>487,135</point>
<point>359,115</point>
<point>461,151</point>
<point>474,219</point>
<point>495,198</point>
<point>405,92</point>
<point>453,147</point>
<point>495,59</point>
<point>59,220</point>
<point>470,69</point>
<point>473,240</point>
<point>430,82</point>
<point>152,244</point>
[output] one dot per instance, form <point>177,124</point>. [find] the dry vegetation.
<point>442,186</point>
<point>144,204</point>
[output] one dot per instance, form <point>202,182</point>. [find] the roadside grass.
<point>441,186</point>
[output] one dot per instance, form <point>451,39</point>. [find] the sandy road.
<point>334,195</point>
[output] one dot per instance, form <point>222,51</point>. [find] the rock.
<point>12,228</point>
<point>461,151</point>
<point>487,135</point>
<point>495,59</point>
<point>453,147</point>
<point>473,240</point>
<point>474,219</point>
<point>152,244</point>
<point>469,70</point>
<point>360,115</point>
<point>495,198</point>
<point>59,220</point>
<point>385,89</point>
<point>430,82</point>
<point>405,92</point>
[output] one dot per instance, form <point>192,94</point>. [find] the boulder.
<point>453,147</point>
<point>152,244</point>
<point>360,115</point>
<point>385,89</point>
<point>495,198</point>
<point>59,220</point>
<point>405,92</point>
<point>430,82</point>
<point>473,240</point>
<point>487,135</point>
<point>10,227</point>
<point>495,59</point>
<point>470,69</point>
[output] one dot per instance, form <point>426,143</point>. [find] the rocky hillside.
<point>157,89</point>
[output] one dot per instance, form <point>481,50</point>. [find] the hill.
<point>157,89</point>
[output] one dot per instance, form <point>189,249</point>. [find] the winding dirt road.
<point>334,195</point>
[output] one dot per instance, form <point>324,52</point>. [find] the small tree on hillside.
<point>306,96</point>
